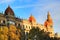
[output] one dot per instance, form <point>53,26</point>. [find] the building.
<point>57,35</point>
<point>8,18</point>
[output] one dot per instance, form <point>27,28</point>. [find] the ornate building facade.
<point>8,18</point>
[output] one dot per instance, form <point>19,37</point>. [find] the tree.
<point>10,33</point>
<point>3,33</point>
<point>13,33</point>
<point>37,34</point>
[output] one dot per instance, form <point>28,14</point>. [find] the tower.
<point>49,21</point>
<point>49,25</point>
<point>10,16</point>
<point>32,20</point>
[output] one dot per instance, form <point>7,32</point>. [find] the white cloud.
<point>54,8</point>
<point>27,6</point>
<point>6,1</point>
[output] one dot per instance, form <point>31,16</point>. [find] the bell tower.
<point>49,21</point>
<point>49,25</point>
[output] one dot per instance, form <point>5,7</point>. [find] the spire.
<point>49,20</point>
<point>9,6</point>
<point>49,25</point>
<point>31,15</point>
<point>48,13</point>
<point>48,16</point>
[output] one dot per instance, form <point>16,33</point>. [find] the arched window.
<point>4,21</point>
<point>29,27</point>
<point>26,26</point>
<point>23,26</point>
<point>18,25</point>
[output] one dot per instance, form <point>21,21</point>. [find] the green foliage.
<point>15,33</point>
<point>36,33</point>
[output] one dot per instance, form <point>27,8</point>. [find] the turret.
<point>49,21</point>
<point>49,25</point>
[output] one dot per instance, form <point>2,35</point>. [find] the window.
<point>26,26</point>
<point>4,21</point>
<point>29,27</point>
<point>51,32</point>
<point>23,26</point>
<point>18,25</point>
<point>51,26</point>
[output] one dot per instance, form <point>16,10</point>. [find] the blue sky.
<point>38,8</point>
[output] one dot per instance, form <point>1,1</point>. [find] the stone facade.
<point>9,18</point>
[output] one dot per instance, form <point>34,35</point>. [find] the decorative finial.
<point>8,6</point>
<point>31,14</point>
<point>48,13</point>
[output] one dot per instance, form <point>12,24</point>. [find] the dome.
<point>31,18</point>
<point>9,11</point>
